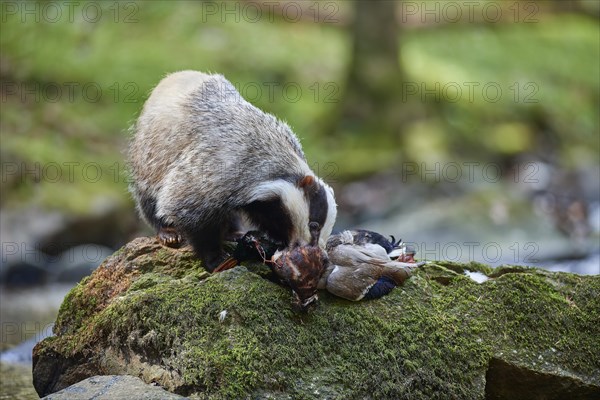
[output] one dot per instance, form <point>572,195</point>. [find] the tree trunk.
<point>372,101</point>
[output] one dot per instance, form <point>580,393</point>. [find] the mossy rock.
<point>153,312</point>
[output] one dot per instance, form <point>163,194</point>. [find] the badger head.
<point>285,207</point>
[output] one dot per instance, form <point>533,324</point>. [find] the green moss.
<point>427,337</point>
<point>473,266</point>
<point>74,309</point>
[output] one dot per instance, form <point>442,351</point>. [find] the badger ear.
<point>306,181</point>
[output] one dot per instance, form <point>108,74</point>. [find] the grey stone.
<point>112,387</point>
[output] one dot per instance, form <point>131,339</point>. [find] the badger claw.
<point>169,237</point>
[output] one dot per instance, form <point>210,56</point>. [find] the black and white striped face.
<point>322,209</point>
<point>292,205</point>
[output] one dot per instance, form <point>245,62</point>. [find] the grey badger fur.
<point>202,159</point>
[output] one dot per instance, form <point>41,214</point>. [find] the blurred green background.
<point>379,93</point>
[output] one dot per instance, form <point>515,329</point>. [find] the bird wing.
<point>349,255</point>
<point>357,268</point>
<point>375,249</point>
<point>398,271</point>
<point>323,280</point>
<point>352,283</point>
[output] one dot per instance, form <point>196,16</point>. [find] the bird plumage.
<point>359,264</point>
<point>301,267</point>
<point>356,265</point>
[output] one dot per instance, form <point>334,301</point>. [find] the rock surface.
<point>112,387</point>
<point>153,312</point>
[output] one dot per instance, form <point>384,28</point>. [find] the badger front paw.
<point>170,237</point>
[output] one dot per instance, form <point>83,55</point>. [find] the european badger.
<point>202,157</point>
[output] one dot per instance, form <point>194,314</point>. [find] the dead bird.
<point>253,246</point>
<point>298,266</point>
<point>360,265</point>
<point>301,268</point>
<point>395,249</point>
